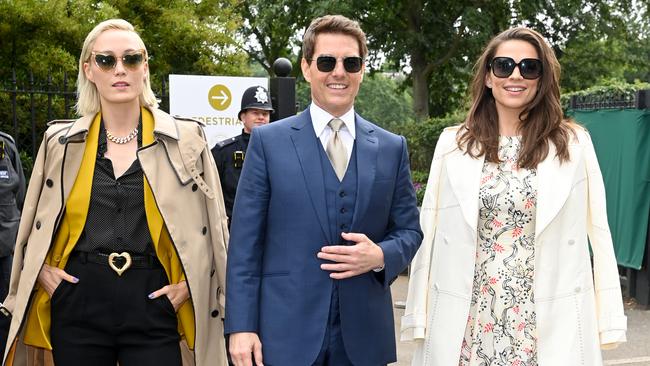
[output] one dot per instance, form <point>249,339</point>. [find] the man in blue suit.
<point>325,218</point>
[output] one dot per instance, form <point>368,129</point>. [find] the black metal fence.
<point>623,99</point>
<point>27,104</point>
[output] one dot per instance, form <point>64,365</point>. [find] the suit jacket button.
<point>341,194</point>
<point>571,241</point>
<point>215,313</point>
<point>49,183</point>
<point>205,230</point>
<point>38,225</point>
<point>577,289</point>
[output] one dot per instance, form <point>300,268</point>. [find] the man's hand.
<point>242,345</point>
<point>177,294</point>
<point>352,260</point>
<point>50,278</point>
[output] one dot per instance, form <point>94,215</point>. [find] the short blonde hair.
<point>88,101</point>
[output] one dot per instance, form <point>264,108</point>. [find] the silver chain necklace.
<point>122,140</point>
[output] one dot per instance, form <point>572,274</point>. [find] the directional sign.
<point>213,100</point>
<point>219,97</point>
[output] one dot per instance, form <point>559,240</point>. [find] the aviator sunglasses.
<point>131,60</point>
<point>351,64</point>
<point>529,68</point>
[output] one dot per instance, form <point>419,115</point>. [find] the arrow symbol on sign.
<point>223,98</point>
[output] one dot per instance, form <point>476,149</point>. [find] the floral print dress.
<point>501,327</point>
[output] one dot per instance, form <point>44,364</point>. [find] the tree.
<point>425,38</point>
<point>45,38</point>
<point>194,37</point>
<point>187,37</point>
<point>594,40</point>
<point>271,30</point>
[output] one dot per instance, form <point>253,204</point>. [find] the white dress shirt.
<point>320,118</point>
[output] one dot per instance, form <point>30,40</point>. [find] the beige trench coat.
<point>185,184</point>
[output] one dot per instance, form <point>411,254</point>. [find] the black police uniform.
<point>229,156</point>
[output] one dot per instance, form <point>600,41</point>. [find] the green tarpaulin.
<point>622,142</point>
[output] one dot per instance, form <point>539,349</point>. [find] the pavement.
<point>635,352</point>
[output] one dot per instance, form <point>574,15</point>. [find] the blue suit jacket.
<point>275,286</point>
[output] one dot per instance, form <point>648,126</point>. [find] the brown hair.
<point>542,119</point>
<point>337,24</point>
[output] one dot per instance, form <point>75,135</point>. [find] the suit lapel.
<point>554,184</point>
<point>367,150</point>
<point>306,144</point>
<point>464,174</point>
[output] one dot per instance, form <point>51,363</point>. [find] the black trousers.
<point>105,318</point>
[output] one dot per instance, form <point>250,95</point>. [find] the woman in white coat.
<point>504,276</point>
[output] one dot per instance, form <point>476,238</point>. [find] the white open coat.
<point>577,312</point>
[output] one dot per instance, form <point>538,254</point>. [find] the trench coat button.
<point>62,140</point>
<point>194,187</point>
<point>49,183</point>
<point>577,289</point>
<point>571,241</point>
<point>38,225</point>
<point>214,313</point>
<point>204,230</point>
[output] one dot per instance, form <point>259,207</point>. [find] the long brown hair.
<point>541,120</point>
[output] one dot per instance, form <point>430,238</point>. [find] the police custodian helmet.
<point>255,97</point>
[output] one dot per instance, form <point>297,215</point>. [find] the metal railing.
<point>32,103</point>
<point>637,100</point>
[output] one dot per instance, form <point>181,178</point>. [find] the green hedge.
<point>422,138</point>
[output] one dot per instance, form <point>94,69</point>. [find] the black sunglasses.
<point>131,60</point>
<point>529,68</point>
<point>351,64</point>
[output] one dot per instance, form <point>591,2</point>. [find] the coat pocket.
<point>566,332</point>
<point>445,327</point>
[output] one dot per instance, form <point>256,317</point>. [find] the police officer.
<point>12,196</point>
<point>229,154</point>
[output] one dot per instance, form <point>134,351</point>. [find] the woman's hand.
<point>50,278</point>
<point>177,294</point>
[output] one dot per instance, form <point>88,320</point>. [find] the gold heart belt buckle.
<point>125,266</point>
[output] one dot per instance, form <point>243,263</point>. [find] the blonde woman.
<point>122,244</point>
<point>504,275</point>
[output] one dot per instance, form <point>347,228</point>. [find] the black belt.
<point>121,261</point>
